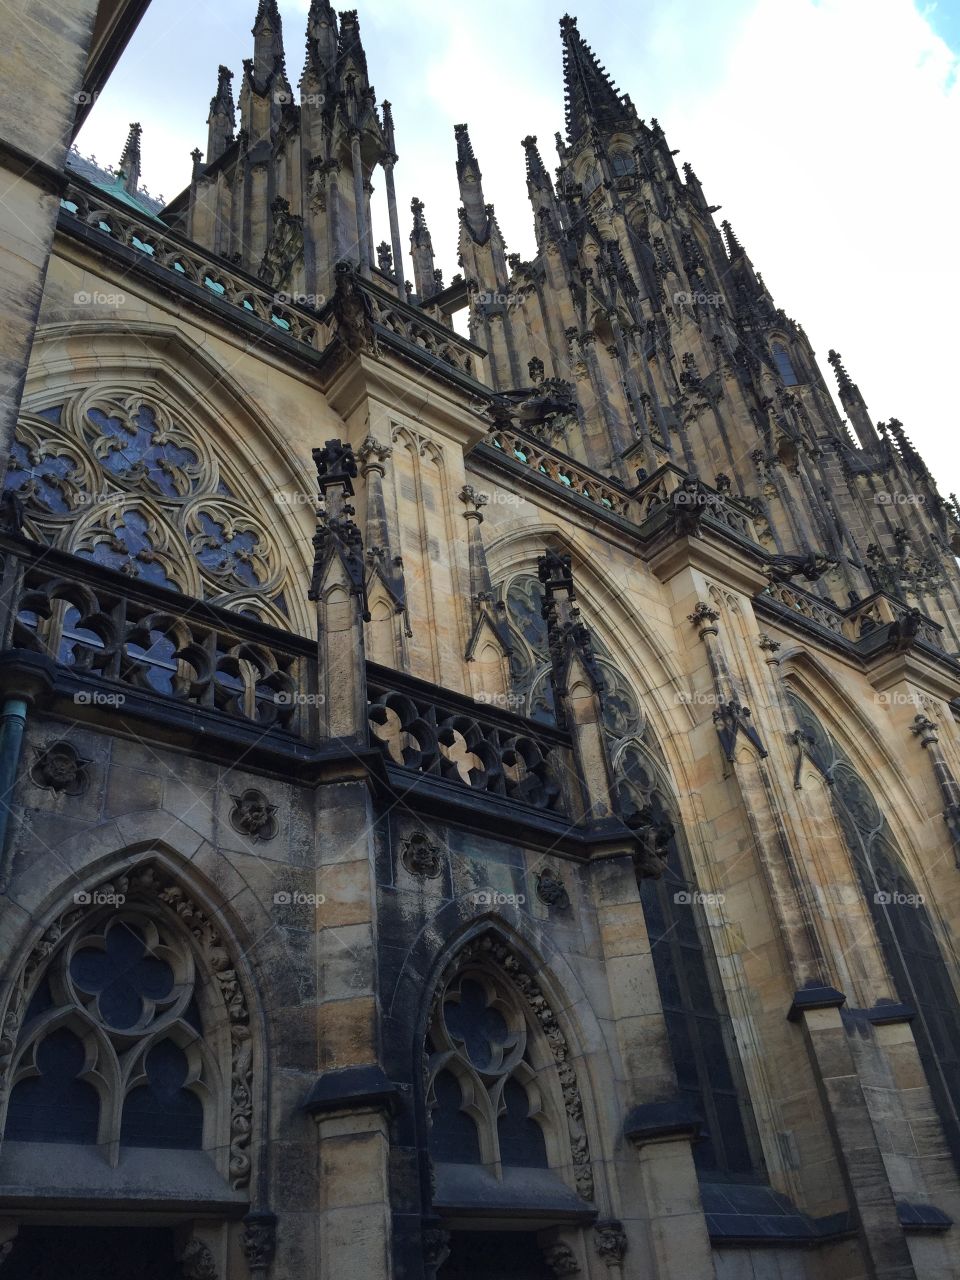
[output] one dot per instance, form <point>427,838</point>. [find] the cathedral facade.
<point>479,759</point>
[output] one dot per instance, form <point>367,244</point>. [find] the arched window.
<point>701,1037</point>
<point>500,1085</point>
<point>621,164</point>
<point>781,358</point>
<point>487,1108</point>
<point>702,1043</point>
<point>905,929</point>
<point>123,1038</point>
<point>592,179</point>
<point>119,477</point>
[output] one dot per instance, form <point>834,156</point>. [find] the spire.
<point>130,160</point>
<point>591,96</point>
<point>421,251</point>
<point>322,39</point>
<point>734,248</point>
<point>854,404</point>
<point>471,186</point>
<point>222,120</point>
<point>537,176</point>
<point>351,59</point>
<point>267,43</point>
<point>388,134</point>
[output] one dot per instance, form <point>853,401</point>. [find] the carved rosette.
<point>551,889</point>
<point>489,950</point>
<point>421,856</point>
<point>149,885</point>
<point>253,815</point>
<point>59,767</point>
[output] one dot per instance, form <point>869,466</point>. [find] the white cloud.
<point>826,128</point>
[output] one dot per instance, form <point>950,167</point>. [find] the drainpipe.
<point>24,678</point>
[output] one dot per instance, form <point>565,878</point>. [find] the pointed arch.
<point>134,965</point>
<point>170,425</point>
<point>909,937</point>
<point>525,1044</point>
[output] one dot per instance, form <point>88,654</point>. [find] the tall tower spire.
<point>130,160</point>
<point>222,120</point>
<point>591,96</point>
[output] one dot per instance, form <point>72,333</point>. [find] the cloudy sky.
<point>828,130</point>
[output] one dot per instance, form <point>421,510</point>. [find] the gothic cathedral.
<point>479,759</point>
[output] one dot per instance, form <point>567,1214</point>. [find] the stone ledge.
<point>352,1089</point>
<point>809,998</point>
<point>657,1121</point>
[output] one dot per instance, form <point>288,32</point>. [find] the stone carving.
<point>259,1240</point>
<point>354,312</point>
<point>285,249</point>
<point>489,949</point>
<point>705,617</point>
<point>561,1259</point>
<point>809,566</point>
<point>654,833</point>
<point>436,1247</point>
<point>733,718</point>
<point>611,1241</point>
<point>470,750</point>
<point>152,886</point>
<point>767,644</point>
<point>253,815</point>
<point>551,889</point>
<point>59,767</point>
<point>421,856</point>
<point>197,1261</point>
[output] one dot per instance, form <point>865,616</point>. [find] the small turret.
<point>421,251</point>
<point>130,160</point>
<point>222,120</point>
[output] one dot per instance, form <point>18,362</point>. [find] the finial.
<point>734,247</point>
<point>836,361</point>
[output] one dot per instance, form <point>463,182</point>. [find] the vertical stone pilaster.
<point>858,1151</point>
<point>42,62</point>
<point>925,731</point>
<point>338,586</point>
